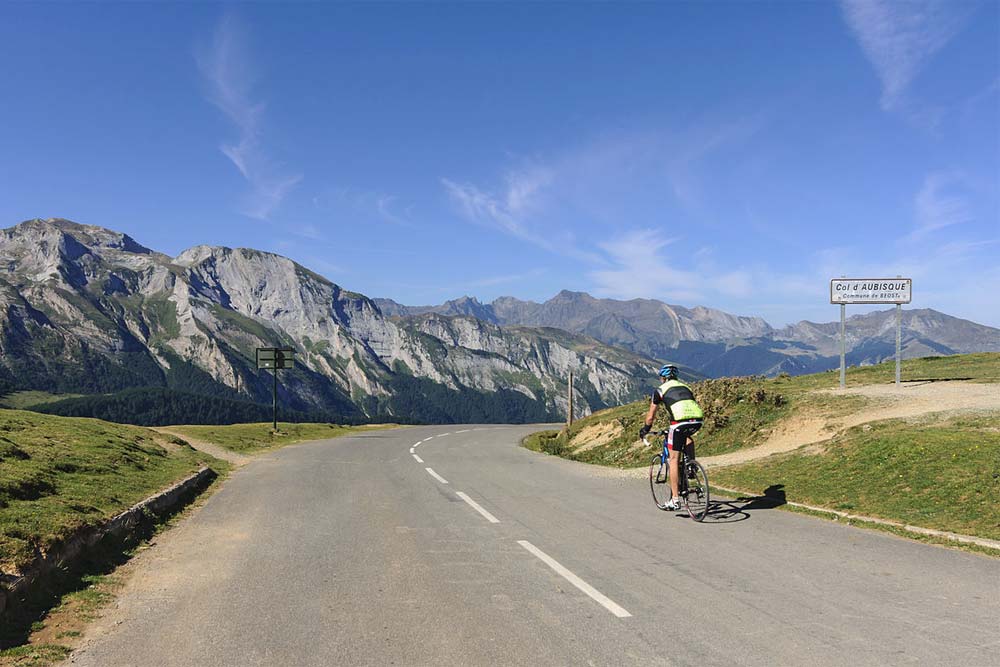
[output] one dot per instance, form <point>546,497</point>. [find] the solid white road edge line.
<point>419,460</point>
<point>476,506</point>
<point>436,476</point>
<point>595,594</point>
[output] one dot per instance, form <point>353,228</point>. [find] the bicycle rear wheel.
<point>697,498</point>
<point>659,481</point>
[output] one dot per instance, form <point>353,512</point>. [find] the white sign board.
<point>870,290</point>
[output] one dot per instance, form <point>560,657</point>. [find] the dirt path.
<point>885,402</point>
<point>207,447</point>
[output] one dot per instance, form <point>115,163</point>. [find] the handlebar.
<point>645,438</point>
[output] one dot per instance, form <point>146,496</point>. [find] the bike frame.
<point>681,462</point>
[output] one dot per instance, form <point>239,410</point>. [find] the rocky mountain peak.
<point>199,253</point>
<point>90,236</point>
<point>569,295</point>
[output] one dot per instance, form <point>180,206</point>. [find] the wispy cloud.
<point>899,38</point>
<point>565,203</point>
<point>940,203</point>
<point>504,212</point>
<point>647,263</point>
<point>492,281</point>
<point>227,71</point>
<point>372,205</point>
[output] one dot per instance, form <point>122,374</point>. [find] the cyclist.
<point>685,419</point>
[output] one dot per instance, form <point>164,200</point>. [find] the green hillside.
<point>58,475</point>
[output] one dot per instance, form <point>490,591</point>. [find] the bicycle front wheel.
<point>696,500</point>
<point>659,481</point>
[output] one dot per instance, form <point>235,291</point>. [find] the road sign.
<point>275,359</point>
<point>846,290</point>
<point>280,358</point>
<point>870,290</point>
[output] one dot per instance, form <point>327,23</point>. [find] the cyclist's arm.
<point>652,413</point>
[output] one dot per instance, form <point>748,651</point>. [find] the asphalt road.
<point>350,552</point>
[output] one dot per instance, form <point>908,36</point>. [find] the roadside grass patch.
<point>250,438</point>
<point>33,655</point>
<point>59,474</point>
<point>943,475</point>
<point>547,442</point>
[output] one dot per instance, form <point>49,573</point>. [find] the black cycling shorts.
<point>681,432</point>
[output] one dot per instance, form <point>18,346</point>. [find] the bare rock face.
<point>88,309</point>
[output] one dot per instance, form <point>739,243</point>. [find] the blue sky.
<point>734,155</point>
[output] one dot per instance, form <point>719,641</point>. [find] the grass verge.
<point>47,625</point>
<point>250,438</point>
<point>943,475</point>
<point>59,475</point>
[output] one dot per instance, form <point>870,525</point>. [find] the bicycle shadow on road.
<point>731,511</point>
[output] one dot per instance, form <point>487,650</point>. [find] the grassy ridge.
<point>737,410</point>
<point>58,475</point>
<point>943,475</point>
<point>981,367</point>
<point>249,438</point>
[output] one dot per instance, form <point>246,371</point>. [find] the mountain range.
<point>715,343</point>
<point>89,310</point>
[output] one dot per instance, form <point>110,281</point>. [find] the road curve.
<point>452,545</point>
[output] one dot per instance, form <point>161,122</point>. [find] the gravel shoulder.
<point>207,447</point>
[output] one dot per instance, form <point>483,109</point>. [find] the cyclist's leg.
<point>672,440</point>
<point>687,435</point>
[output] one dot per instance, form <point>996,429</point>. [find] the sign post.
<point>843,345</point>
<point>275,359</point>
<point>569,414</point>
<point>896,290</point>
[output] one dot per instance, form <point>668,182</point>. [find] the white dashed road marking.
<point>595,594</point>
<point>419,460</point>
<point>436,476</point>
<point>476,506</point>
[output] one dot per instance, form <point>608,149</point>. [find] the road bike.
<point>693,483</point>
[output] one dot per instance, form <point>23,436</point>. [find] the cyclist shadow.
<point>731,511</point>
